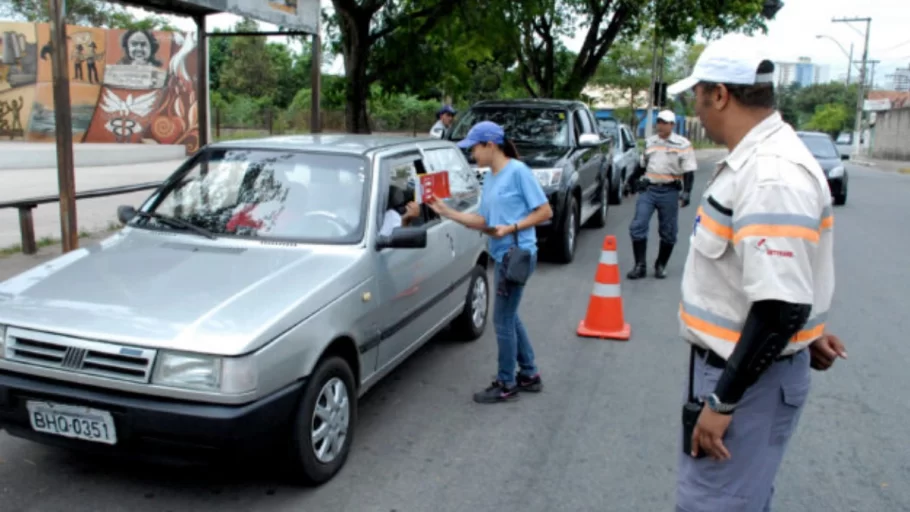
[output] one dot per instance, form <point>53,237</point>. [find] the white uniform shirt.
<point>390,221</point>
<point>438,129</point>
<point>764,230</point>
<point>666,160</point>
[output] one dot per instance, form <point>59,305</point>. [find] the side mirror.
<point>845,156</point>
<point>404,238</point>
<point>587,140</point>
<point>125,214</point>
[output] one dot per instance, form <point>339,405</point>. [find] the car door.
<point>630,152</point>
<point>411,281</point>
<point>465,190</point>
<point>589,159</point>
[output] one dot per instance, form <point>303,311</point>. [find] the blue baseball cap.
<point>446,109</point>
<point>482,132</point>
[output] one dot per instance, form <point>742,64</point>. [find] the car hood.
<point>829,163</point>
<point>542,156</point>
<point>161,290</point>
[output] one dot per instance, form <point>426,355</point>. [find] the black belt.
<point>712,359</point>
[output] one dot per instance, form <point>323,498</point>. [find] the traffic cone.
<point>604,318</point>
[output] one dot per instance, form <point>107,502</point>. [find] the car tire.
<point>306,465</point>
<point>599,219</point>
<point>841,199</point>
<point>565,243</point>
<point>472,322</point>
<point>617,192</point>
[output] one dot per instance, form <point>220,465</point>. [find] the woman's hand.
<point>412,211</point>
<point>438,206</point>
<point>500,231</point>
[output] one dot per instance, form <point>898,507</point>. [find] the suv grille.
<point>80,356</point>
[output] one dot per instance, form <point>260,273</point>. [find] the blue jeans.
<point>511,336</point>
<point>666,201</point>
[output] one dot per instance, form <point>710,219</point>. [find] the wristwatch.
<point>717,406</point>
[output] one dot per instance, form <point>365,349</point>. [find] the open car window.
<point>305,196</point>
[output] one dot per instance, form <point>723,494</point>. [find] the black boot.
<point>639,248</point>
<point>663,256</point>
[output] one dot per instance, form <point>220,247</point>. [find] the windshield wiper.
<point>177,223</point>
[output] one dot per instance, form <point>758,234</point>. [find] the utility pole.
<point>857,130</point>
<point>849,65</point>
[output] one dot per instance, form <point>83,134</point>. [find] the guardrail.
<point>25,207</point>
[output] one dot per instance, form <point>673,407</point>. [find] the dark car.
<point>560,141</point>
<point>825,151</point>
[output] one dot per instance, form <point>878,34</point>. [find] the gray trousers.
<point>757,437</point>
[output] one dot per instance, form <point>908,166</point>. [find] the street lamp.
<point>849,56</point>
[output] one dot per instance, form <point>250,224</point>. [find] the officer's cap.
<point>733,59</point>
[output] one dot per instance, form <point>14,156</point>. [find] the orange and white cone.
<point>605,318</point>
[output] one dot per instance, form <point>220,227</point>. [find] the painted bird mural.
<point>124,115</point>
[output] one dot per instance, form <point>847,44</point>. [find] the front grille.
<point>80,356</point>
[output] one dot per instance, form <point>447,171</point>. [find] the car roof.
<point>813,134</point>
<point>353,144</point>
<point>530,103</point>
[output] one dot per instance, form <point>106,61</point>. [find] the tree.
<point>808,99</point>
<point>539,26</point>
<point>92,13</point>
<point>830,118</point>
<point>361,25</point>
<point>248,69</point>
<point>628,68</point>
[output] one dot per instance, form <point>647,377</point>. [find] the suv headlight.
<point>548,177</point>
<point>837,172</point>
<point>228,375</point>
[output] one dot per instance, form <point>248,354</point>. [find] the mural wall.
<point>125,86</point>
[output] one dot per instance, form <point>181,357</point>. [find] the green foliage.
<point>830,118</point>
<point>92,13</point>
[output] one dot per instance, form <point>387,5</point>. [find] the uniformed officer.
<point>668,166</point>
<point>444,119</point>
<point>756,289</point>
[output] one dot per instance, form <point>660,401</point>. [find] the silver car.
<point>246,305</point>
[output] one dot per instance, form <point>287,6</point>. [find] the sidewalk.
<point>883,165</point>
<point>15,264</point>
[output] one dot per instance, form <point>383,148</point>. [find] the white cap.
<point>667,116</point>
<point>732,59</point>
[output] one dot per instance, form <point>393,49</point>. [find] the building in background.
<point>900,79</point>
<point>803,72</point>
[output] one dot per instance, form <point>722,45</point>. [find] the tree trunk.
<point>356,43</point>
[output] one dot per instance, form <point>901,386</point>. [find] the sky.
<point>792,34</point>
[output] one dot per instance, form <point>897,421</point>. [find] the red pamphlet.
<point>435,184</point>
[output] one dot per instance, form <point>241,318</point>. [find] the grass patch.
<point>905,170</point>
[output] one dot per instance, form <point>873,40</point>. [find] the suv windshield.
<point>524,125</point>
<point>310,197</point>
<point>820,147</point>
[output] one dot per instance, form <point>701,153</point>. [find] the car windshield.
<point>820,147</point>
<point>282,194</point>
<point>607,126</point>
<point>526,126</point>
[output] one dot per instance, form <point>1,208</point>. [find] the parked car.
<point>626,155</point>
<point>826,153</point>
<point>560,141</point>
<point>245,306</point>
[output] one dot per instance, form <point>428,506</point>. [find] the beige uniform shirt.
<point>666,160</point>
<point>764,230</point>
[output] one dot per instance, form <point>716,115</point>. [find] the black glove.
<point>684,199</point>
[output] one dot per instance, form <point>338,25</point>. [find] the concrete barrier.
<point>36,155</point>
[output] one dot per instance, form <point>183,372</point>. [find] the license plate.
<point>71,421</point>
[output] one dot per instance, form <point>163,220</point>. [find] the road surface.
<point>602,436</point>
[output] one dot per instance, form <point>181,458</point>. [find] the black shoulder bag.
<point>517,262</point>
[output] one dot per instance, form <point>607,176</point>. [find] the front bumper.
<point>153,429</point>
<point>547,230</point>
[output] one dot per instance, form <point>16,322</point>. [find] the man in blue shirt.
<point>512,204</point>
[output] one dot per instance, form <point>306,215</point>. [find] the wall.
<point>891,139</point>
<point>125,86</point>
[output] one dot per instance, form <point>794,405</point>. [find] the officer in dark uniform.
<point>664,180</point>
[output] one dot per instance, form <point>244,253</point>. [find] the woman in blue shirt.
<point>512,202</point>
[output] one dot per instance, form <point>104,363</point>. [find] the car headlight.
<point>548,177</point>
<point>837,172</point>
<point>228,375</point>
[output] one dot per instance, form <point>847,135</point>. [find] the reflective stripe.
<point>714,220</point>
<point>827,218</point>
<point>654,149</point>
<point>714,325</point>
<point>606,291</point>
<point>786,225</point>
<point>608,257</point>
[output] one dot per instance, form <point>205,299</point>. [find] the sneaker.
<point>532,384</point>
<point>497,392</point>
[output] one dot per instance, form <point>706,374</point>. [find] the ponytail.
<point>508,148</point>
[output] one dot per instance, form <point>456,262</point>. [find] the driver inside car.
<point>402,210</point>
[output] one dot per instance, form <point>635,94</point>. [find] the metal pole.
<point>850,65</point>
<point>202,82</point>
<point>649,129</point>
<point>858,127</point>
<point>63,119</point>
<point>316,73</point>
